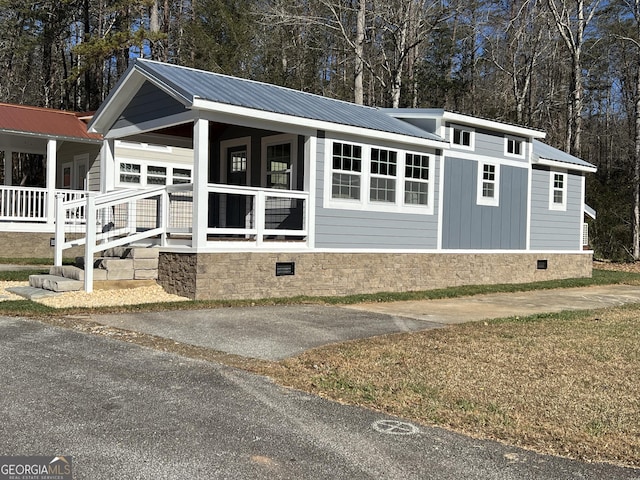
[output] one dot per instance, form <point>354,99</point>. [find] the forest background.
<point>568,67</point>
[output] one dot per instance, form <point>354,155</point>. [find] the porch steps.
<point>123,265</point>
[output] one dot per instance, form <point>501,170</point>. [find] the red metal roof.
<point>45,122</point>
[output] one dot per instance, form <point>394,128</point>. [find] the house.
<point>65,160</point>
<point>295,194</point>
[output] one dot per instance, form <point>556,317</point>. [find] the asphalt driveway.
<point>273,333</point>
<point>127,412</point>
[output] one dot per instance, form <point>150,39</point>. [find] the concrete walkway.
<point>273,333</point>
<point>498,305</point>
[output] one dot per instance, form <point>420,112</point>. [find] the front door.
<point>80,172</point>
<point>236,175</point>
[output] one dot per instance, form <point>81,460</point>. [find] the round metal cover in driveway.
<point>395,427</point>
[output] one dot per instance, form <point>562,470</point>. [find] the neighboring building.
<point>295,194</point>
<point>70,158</point>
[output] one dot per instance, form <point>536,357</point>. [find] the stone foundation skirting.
<point>212,276</point>
<point>32,245</point>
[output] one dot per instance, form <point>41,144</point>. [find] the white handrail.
<point>167,214</point>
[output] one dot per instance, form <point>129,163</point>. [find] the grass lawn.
<point>565,384</point>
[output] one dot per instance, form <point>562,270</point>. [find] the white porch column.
<point>200,181</point>
<point>107,166</point>
<point>8,167</point>
<point>52,168</point>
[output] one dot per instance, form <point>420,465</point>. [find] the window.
<point>141,174</point>
<point>130,173</point>
<point>383,175</point>
<point>558,191</point>
<point>156,175</point>
<point>488,184</point>
<point>514,147</point>
<point>181,175</point>
<point>369,177</point>
<point>463,137</point>
<point>416,174</point>
<point>347,171</point>
<point>279,166</point>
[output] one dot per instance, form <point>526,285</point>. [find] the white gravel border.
<point>97,298</point>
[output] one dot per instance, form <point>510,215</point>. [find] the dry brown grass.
<point>564,384</point>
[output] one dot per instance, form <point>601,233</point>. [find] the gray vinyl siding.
<point>466,225</point>
<point>148,104</point>
<point>341,228</point>
<point>553,229</point>
<point>489,144</point>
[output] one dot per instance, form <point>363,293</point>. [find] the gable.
<point>149,103</point>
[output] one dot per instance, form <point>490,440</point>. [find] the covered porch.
<point>43,152</point>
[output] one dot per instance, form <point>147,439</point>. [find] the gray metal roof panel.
<point>542,150</point>
<point>191,83</point>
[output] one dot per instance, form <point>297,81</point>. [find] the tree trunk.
<point>358,84</point>
<point>636,160</point>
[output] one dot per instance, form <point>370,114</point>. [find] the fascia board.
<point>207,105</point>
<point>564,165</point>
<point>492,125</point>
<point>46,136</point>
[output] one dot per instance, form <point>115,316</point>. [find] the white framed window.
<point>417,183</point>
<point>373,178</point>
<point>384,169</point>
<point>488,184</point>
<point>131,173</point>
<point>181,175</point>
<point>558,191</point>
<point>138,173</point>
<point>514,146</point>
<point>279,167</point>
<point>463,137</point>
<point>346,177</point>
<point>156,175</point>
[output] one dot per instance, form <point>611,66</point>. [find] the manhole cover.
<point>395,427</point>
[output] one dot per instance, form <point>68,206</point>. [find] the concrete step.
<point>55,283</point>
<point>132,252</point>
<point>76,273</point>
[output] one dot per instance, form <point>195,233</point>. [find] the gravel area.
<point>98,298</point>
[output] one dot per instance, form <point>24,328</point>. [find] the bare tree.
<point>571,18</point>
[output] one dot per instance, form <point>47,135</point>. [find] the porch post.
<point>107,166</point>
<point>52,168</point>
<point>200,181</point>
<point>8,167</point>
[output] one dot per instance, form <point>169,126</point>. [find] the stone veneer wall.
<point>32,245</point>
<point>209,276</point>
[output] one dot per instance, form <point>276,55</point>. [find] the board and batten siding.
<point>149,103</point>
<point>467,225</point>
<point>342,228</point>
<point>555,229</point>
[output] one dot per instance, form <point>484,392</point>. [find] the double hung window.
<point>558,191</point>
<point>346,180</point>
<point>488,184</point>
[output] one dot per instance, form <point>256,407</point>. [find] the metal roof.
<point>44,122</point>
<point>542,151</point>
<point>191,84</point>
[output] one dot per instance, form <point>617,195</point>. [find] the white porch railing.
<point>29,204</point>
<point>242,216</point>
